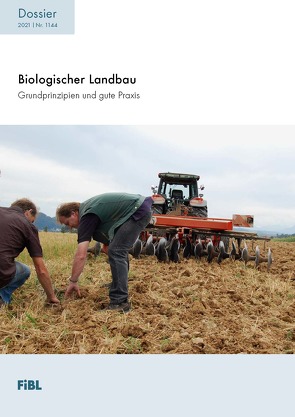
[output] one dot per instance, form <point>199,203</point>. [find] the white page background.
<point>214,62</point>
<point>195,63</point>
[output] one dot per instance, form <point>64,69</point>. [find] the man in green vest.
<point>116,220</point>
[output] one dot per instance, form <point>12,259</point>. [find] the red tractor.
<point>179,193</point>
<point>179,207</point>
<point>180,214</point>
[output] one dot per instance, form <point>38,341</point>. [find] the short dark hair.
<point>65,209</point>
<point>25,204</point>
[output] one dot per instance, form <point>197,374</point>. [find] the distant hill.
<point>260,232</point>
<point>49,223</point>
<point>281,230</point>
<point>44,222</point>
<point>289,231</point>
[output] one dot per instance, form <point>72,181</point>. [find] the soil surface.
<point>190,307</point>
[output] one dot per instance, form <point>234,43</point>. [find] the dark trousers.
<point>118,253</point>
<point>21,275</point>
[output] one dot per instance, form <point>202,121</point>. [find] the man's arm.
<point>44,279</point>
<point>77,268</point>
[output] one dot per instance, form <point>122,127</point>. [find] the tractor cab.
<point>179,193</point>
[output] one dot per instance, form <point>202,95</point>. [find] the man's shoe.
<point>123,307</point>
<point>2,303</point>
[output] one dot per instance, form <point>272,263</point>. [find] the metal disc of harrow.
<point>172,249</point>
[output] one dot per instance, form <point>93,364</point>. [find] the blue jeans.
<point>118,253</point>
<point>21,275</point>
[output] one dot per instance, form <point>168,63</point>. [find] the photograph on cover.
<point>147,239</point>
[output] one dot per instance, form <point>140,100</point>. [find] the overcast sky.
<point>245,169</point>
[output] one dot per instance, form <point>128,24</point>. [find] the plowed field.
<point>188,307</point>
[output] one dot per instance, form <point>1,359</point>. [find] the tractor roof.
<point>176,178</point>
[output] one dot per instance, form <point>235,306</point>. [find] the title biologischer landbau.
<point>69,79</point>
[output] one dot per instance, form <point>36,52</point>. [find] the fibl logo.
<point>28,385</point>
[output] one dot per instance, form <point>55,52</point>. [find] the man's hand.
<point>52,300</point>
<point>72,288</point>
<point>44,279</point>
<point>105,248</point>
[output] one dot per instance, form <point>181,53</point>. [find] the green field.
<point>284,239</point>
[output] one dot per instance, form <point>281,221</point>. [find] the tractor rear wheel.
<point>157,209</point>
<point>200,211</point>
